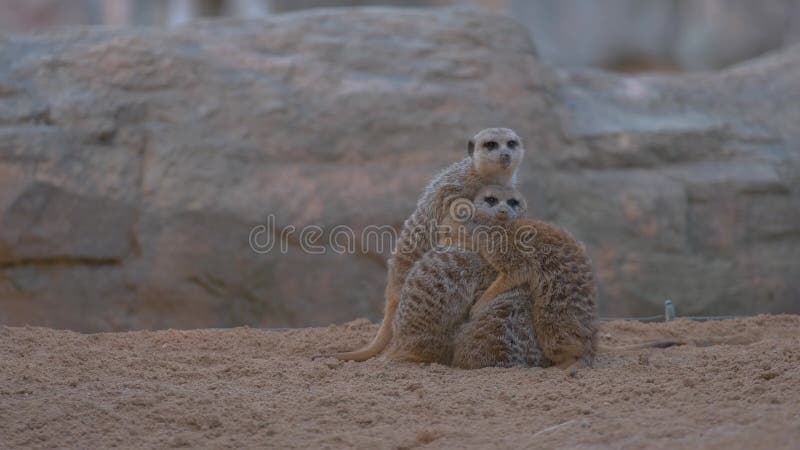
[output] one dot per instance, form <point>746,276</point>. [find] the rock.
<point>136,165</point>
<point>636,35</point>
<point>699,185</point>
<point>49,224</point>
<point>204,132</point>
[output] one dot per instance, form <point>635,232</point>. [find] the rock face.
<point>656,34</point>
<point>136,166</point>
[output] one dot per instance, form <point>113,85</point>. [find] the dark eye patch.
<point>491,200</point>
<point>513,202</point>
<point>512,144</point>
<point>490,145</point>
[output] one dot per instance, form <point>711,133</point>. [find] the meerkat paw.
<point>574,368</point>
<point>474,310</point>
<point>573,365</point>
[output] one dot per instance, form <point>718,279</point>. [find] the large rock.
<point>635,35</point>
<point>630,35</point>
<point>686,187</point>
<point>135,165</point>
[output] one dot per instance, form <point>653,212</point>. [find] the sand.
<point>736,386</point>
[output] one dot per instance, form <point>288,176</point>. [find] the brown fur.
<point>462,180</point>
<point>500,335</point>
<point>431,323</point>
<point>434,301</point>
<point>555,270</point>
<point>439,291</point>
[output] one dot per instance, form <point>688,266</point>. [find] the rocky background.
<point>135,162</point>
<point>620,35</point>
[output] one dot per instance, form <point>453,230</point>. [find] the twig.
<point>554,427</point>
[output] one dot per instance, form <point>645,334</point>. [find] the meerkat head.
<point>501,202</point>
<point>496,153</point>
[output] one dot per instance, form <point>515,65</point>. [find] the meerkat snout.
<point>503,212</point>
<point>505,159</point>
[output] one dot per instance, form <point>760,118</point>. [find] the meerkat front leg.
<point>500,284</point>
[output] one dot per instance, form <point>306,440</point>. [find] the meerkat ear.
<point>470,147</point>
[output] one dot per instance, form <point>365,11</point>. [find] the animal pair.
<point>493,156</point>
<point>433,322</point>
<point>546,266</point>
<point>535,287</point>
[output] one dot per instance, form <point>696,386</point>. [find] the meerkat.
<point>434,300</point>
<point>502,330</point>
<point>502,334</point>
<point>557,272</point>
<point>552,266</point>
<point>431,321</point>
<point>441,287</point>
<point>493,156</point>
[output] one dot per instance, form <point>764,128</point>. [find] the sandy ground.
<point>736,386</point>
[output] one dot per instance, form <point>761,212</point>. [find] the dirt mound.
<point>737,385</point>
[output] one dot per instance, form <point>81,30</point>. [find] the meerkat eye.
<point>513,202</point>
<point>490,145</point>
<point>491,200</point>
<point>512,144</point>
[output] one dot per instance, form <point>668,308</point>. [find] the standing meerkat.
<point>441,287</point>
<point>554,268</point>
<point>493,156</point>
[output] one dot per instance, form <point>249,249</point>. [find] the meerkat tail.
<point>379,342</point>
<point>644,345</point>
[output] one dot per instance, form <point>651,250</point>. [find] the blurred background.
<point>620,35</point>
<point>140,147</point>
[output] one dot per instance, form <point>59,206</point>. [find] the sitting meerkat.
<point>432,322</point>
<point>493,156</point>
<point>551,265</point>
<point>435,299</point>
<point>500,335</point>
<point>440,289</point>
